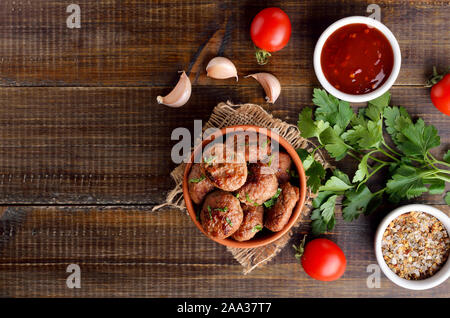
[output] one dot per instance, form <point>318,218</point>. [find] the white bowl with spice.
<point>412,246</point>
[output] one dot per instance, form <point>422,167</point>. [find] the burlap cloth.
<point>227,114</point>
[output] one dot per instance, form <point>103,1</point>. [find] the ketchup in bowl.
<point>357,59</point>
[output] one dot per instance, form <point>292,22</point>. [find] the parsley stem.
<point>354,156</point>
<point>378,160</point>
<point>438,161</point>
<point>441,177</point>
<point>439,174</point>
<point>430,162</point>
<point>371,157</point>
<point>380,166</point>
<point>315,149</point>
<point>443,171</point>
<point>379,192</point>
<point>442,163</point>
<point>388,155</point>
<point>390,149</point>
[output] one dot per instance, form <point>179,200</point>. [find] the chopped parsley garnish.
<point>271,202</point>
<point>209,211</point>
<point>225,209</point>
<point>264,144</point>
<point>229,222</point>
<point>292,173</point>
<point>247,197</point>
<point>209,160</point>
<point>197,180</point>
<point>257,228</point>
<point>237,195</point>
<point>270,160</point>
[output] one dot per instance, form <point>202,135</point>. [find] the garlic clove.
<point>221,68</point>
<point>270,84</point>
<point>179,95</point>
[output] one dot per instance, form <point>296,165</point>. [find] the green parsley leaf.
<point>315,174</point>
<point>331,110</point>
<point>341,175</point>
<point>321,197</point>
<point>396,119</point>
<point>447,198</point>
<point>356,202</point>
<point>318,225</point>
<point>229,222</point>
<point>257,228</point>
<point>323,217</point>
<point>247,197</point>
<point>335,184</point>
<point>362,172</point>
<point>382,101</point>
<point>327,208</point>
<point>375,108</point>
<point>307,126</point>
<point>270,160</point>
<point>333,143</point>
<point>447,156</point>
<point>365,137</point>
<point>209,211</point>
<point>225,209</point>
<point>271,202</point>
<point>209,159</point>
<point>405,183</point>
<point>344,115</point>
<point>327,106</point>
<point>308,162</point>
<point>360,119</point>
<point>420,139</point>
<point>437,186</point>
<point>302,153</point>
<point>197,180</point>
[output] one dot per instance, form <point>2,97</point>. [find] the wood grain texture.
<point>85,148</point>
<point>144,43</point>
<point>131,252</point>
<point>113,145</point>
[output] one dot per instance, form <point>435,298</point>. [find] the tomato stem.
<point>262,56</point>
<point>435,78</point>
<point>300,249</point>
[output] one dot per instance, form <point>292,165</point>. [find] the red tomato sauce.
<point>357,59</point>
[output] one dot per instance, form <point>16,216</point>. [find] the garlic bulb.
<point>221,68</point>
<point>271,85</point>
<point>179,95</point>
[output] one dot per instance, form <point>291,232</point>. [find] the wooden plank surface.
<point>144,43</point>
<point>130,252</point>
<point>112,145</point>
<point>85,149</point>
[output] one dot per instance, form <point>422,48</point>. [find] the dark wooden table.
<point>85,148</point>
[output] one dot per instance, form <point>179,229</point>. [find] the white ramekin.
<point>363,97</point>
<point>427,283</point>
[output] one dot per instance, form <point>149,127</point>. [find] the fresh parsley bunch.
<point>413,170</point>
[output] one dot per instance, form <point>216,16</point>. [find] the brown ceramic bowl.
<point>271,236</point>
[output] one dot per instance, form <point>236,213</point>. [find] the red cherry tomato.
<point>270,30</point>
<point>440,95</point>
<point>323,260</point>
